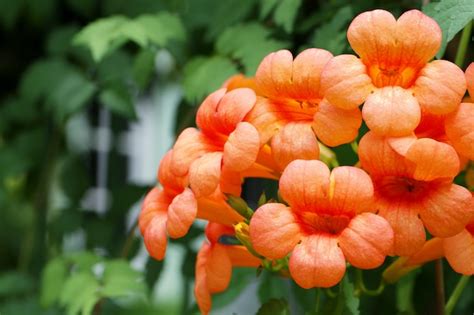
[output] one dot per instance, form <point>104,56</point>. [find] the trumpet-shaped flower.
<point>215,262</point>
<point>459,249</point>
<point>171,210</point>
<point>324,224</point>
<point>414,189</point>
<point>223,148</point>
<point>292,111</point>
<point>393,74</point>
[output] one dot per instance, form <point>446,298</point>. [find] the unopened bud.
<point>239,205</point>
<point>243,235</point>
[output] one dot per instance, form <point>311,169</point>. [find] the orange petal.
<point>215,230</point>
<point>274,73</point>
<point>459,251</point>
<point>335,126</point>
<point>447,210</point>
<point>433,249</point>
<point>459,128</point>
<point>218,269</point>
<point>432,160</point>
<point>408,230</point>
<point>391,111</point>
<point>240,256</point>
<point>231,181</point>
<point>155,236</point>
<point>181,214</point>
<point>274,231</point>
<point>171,183</point>
<point>201,290</point>
<point>304,183</point>
<point>156,201</point>
<point>351,190</point>
<point>190,145</point>
<point>239,81</point>
<point>345,83</point>
<point>317,262</point>
<point>214,208</point>
<point>378,158</point>
<point>402,144</point>
<point>205,173</point>
<point>366,241</point>
<point>440,87</point>
<point>470,79</point>
<point>241,148</point>
<point>294,141</point>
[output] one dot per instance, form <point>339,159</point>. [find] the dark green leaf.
<point>153,270</point>
<point>274,307</point>
<point>9,12</point>
<point>405,290</point>
<point>266,7</point>
<point>161,28</point>
<point>452,16</point>
<point>73,178</point>
<point>285,14</point>
<point>332,36</point>
<point>203,75</point>
<point>345,303</point>
<point>144,67</point>
<point>85,8</point>
<point>121,280</point>
<point>119,101</point>
<point>53,278</point>
<point>59,41</point>
<point>272,286</point>
<point>15,283</point>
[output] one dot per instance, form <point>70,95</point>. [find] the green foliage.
<point>15,283</point>
<point>274,307</point>
<point>118,101</point>
<point>285,14</point>
<point>106,35</point>
<point>345,303</point>
<point>452,16</point>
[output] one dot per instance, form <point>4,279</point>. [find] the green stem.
<point>318,299</point>
<point>463,44</point>
<point>439,287</point>
<point>363,289</point>
<point>453,299</point>
<point>129,241</point>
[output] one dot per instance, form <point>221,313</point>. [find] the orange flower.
<point>323,226</point>
<point>293,111</point>
<point>459,249</point>
<point>214,265</point>
<point>393,75</point>
<point>171,210</point>
<point>225,149</point>
<point>414,189</point>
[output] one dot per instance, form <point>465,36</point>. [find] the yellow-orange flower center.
<point>314,223</point>
<point>392,75</point>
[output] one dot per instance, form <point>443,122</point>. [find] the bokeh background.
<point>92,94</point>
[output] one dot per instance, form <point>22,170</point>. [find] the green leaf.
<point>9,12</point>
<point>162,28</point>
<point>74,178</point>
<point>203,75</point>
<point>84,261</point>
<point>15,283</point>
<point>239,41</point>
<point>144,67</point>
<point>285,14</point>
<point>332,36</point>
<point>53,277</point>
<point>85,8</point>
<point>405,290</point>
<point>452,16</point>
<point>118,100</point>
<point>121,280</point>
<point>346,303</point>
<point>153,270</point>
<point>241,277</point>
<point>272,286</point>
<point>274,307</point>
<point>59,40</point>
<point>266,6</point>
<point>79,292</point>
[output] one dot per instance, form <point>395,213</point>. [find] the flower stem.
<point>439,286</point>
<point>363,289</point>
<point>318,299</point>
<point>463,44</point>
<point>453,299</point>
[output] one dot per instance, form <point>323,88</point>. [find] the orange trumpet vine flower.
<point>292,111</point>
<point>215,262</point>
<point>324,225</point>
<point>225,148</point>
<point>171,210</point>
<point>414,189</point>
<point>394,75</point>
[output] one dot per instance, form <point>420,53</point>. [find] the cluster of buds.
<point>279,124</point>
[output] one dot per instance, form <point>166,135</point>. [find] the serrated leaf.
<point>266,7</point>
<point>84,261</point>
<point>274,307</point>
<point>15,283</point>
<point>53,278</point>
<point>118,100</point>
<point>203,75</point>
<point>332,36</point>
<point>144,67</point>
<point>452,16</point>
<point>120,279</point>
<point>285,14</point>
<point>78,291</point>
<point>161,28</point>
<point>239,41</point>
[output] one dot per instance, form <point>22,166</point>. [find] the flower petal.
<point>205,173</point>
<point>459,251</point>
<point>447,210</point>
<point>171,183</point>
<point>155,236</point>
<point>440,87</point>
<point>274,231</point>
<point>408,230</point>
<point>402,144</point>
<point>201,290</point>
<point>459,128</point>
<point>350,190</point>
<point>345,83</point>
<point>241,257</point>
<point>432,160</point>
<point>294,141</point>
<point>274,73</point>
<point>241,148</point>
<point>431,250</point>
<point>156,201</point>
<point>335,126</point>
<point>181,214</point>
<point>304,183</point>
<point>190,145</point>
<point>366,241</point>
<point>470,79</point>
<point>317,262</point>
<point>391,111</point>
<point>218,269</point>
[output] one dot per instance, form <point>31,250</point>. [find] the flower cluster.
<point>279,124</point>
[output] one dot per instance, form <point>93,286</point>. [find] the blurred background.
<point>92,94</point>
